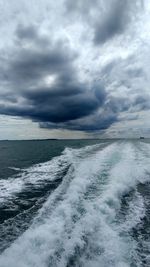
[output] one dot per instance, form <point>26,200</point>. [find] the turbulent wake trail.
<point>97,216</point>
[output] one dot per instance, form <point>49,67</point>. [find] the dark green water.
<point>75,203</point>
<point>21,154</point>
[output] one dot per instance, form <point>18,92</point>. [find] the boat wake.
<point>88,207</point>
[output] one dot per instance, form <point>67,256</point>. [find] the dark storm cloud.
<point>31,94</point>
<point>40,80</point>
<point>61,103</point>
<point>99,120</point>
<point>96,122</point>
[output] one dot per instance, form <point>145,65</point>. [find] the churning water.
<point>87,207</point>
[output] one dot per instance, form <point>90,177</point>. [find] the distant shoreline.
<point>71,139</point>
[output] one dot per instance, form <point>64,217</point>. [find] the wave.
<point>39,174</point>
<point>89,219</point>
<point>35,176</point>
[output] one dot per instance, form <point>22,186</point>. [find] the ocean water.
<point>79,203</point>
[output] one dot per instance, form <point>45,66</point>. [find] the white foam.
<point>41,173</point>
<point>41,242</point>
<point>35,175</point>
<point>136,212</point>
<point>77,222</point>
<point>15,169</point>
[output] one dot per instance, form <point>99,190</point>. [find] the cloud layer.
<point>84,68</point>
<point>43,84</point>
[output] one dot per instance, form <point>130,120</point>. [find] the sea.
<point>75,203</point>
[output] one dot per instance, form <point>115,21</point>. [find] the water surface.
<point>79,203</point>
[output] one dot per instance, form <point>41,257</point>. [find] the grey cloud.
<point>107,18</point>
<point>118,104</point>
<point>42,77</point>
<point>141,102</point>
<point>27,32</point>
<point>128,82</point>
<point>32,62</point>
<point>130,117</point>
<point>81,7</point>
<point>113,22</point>
<point>66,99</point>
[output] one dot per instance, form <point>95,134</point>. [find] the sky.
<point>74,69</point>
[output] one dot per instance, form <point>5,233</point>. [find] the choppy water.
<point>88,206</point>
